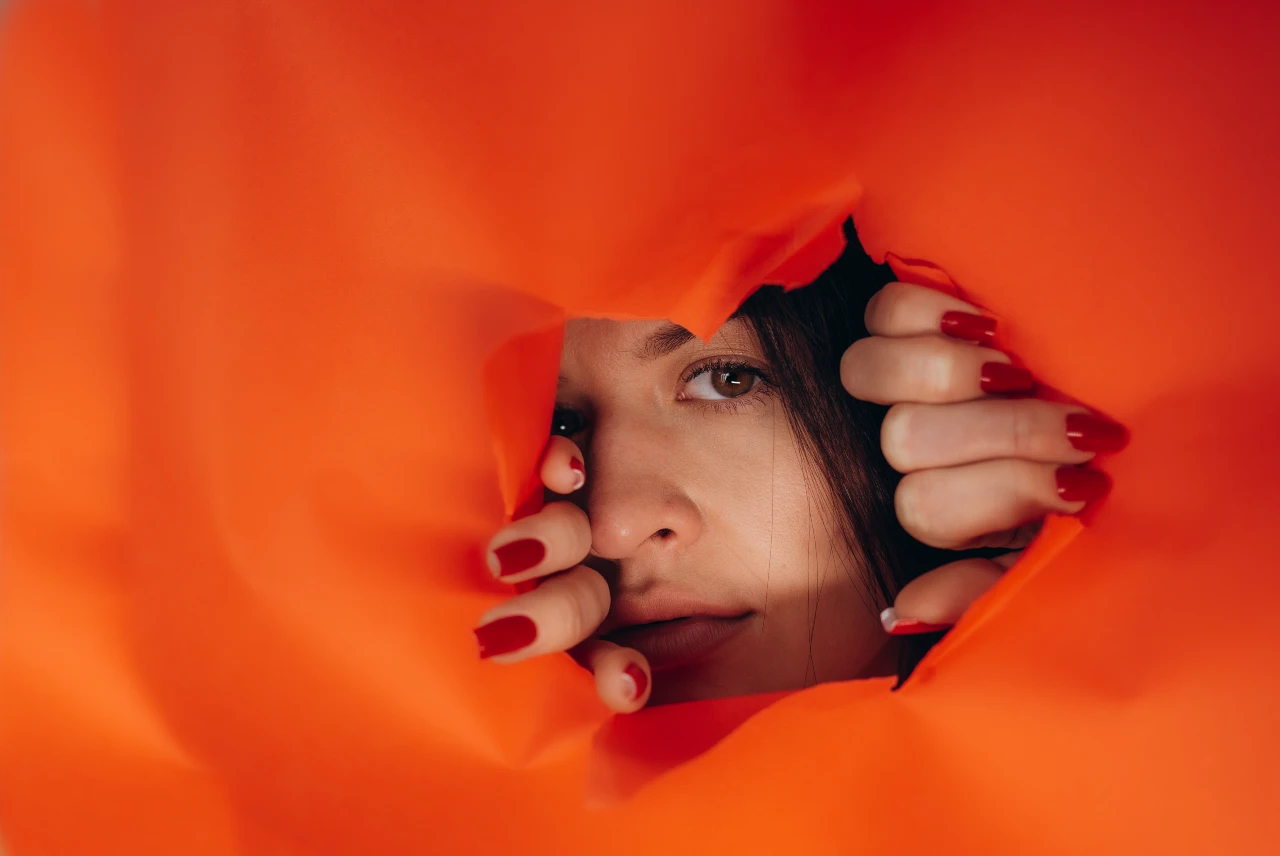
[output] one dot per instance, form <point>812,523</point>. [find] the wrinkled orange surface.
<point>280,287</point>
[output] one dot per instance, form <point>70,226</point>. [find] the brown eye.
<point>721,381</point>
<point>732,383</point>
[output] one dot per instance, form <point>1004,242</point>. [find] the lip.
<point>664,605</point>
<point>679,641</point>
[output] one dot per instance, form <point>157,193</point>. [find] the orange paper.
<point>281,287</point>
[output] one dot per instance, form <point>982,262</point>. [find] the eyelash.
<point>762,388</point>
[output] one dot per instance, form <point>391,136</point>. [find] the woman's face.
<point>725,566</point>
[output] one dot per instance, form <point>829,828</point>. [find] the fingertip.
<point>636,681</point>
<point>562,469</point>
<point>622,683</point>
<point>504,637</point>
<point>999,376</point>
<point>969,327</point>
<point>938,598</point>
<point>579,472</point>
<point>888,615</point>
<point>1087,432</point>
<point>632,689</point>
<point>912,309</point>
<point>515,557</point>
<point>896,625</point>
<point>1081,485</point>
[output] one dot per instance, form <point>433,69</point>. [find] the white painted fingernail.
<point>888,618</point>
<point>628,685</point>
<point>579,474</point>
<point>635,681</point>
<point>896,626</point>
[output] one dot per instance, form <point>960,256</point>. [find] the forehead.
<point>608,333</point>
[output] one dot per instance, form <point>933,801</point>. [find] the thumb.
<point>935,600</point>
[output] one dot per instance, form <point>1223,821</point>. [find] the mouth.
<point>679,641</point>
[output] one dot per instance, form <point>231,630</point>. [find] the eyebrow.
<point>667,339</point>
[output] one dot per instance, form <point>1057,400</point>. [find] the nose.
<point>638,499</point>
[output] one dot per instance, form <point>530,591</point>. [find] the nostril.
<point>664,533</point>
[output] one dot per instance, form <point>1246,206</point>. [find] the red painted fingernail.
<point>639,678</point>
<point>519,556</point>
<point>1076,484</point>
<point>580,474</point>
<point>504,635</point>
<point>1002,377</point>
<point>978,329</point>
<point>1090,434</point>
<point>896,626</point>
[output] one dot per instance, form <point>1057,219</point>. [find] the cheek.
<point>767,508</point>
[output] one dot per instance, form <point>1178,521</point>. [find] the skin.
<point>703,493</point>
<point>690,484</point>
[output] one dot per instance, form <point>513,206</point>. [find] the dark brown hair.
<point>803,334</point>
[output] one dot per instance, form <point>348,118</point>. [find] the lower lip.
<point>681,641</point>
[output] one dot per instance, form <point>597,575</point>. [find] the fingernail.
<point>519,556</point>
<point>978,329</point>
<point>1088,433</point>
<point>1076,484</point>
<point>504,635</point>
<point>1002,377</point>
<point>579,474</point>
<point>637,678</point>
<point>896,626</point>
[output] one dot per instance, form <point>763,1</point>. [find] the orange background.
<point>280,287</point>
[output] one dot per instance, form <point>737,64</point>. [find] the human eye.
<point>566,422</point>
<point>723,381</point>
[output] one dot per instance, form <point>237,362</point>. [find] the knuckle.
<point>1021,428</point>
<point>1019,483</point>
<point>1028,428</point>
<point>567,530</point>
<point>578,523</point>
<point>889,308</point>
<point>896,436</point>
<point>920,504</point>
<point>937,368</point>
<point>851,363</point>
<point>568,613</point>
<point>581,603</point>
<point>910,502</point>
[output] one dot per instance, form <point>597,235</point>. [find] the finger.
<point>937,599</point>
<point>555,538</point>
<point>622,675</point>
<point>561,612</point>
<point>950,508</point>
<point>927,369</point>
<point>562,470</point>
<point>1012,539</point>
<point>900,309</point>
<point>923,436</point>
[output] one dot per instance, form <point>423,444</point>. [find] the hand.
<point>981,470</point>
<point>567,606</point>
